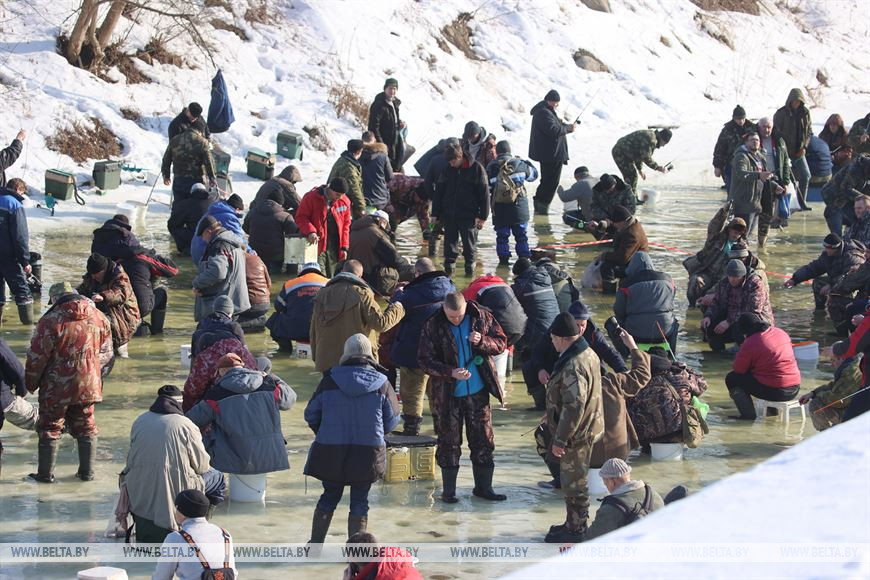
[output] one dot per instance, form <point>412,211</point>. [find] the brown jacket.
<point>119,301</point>
<point>626,242</point>
<point>383,267</point>
<point>619,434</point>
<point>258,280</point>
<point>342,308</point>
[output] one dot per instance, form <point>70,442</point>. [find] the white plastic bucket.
<point>595,483</point>
<point>102,573</point>
<point>248,488</point>
<point>650,196</point>
<point>185,356</point>
<point>501,362</point>
<point>127,209</point>
<point>299,251</point>
<point>808,350</point>
<point>666,451</point>
<point>303,350</point>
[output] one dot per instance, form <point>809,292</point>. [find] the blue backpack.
<point>220,111</point>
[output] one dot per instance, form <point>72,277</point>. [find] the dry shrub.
<point>131,114</point>
<point>822,78</point>
<point>219,24</point>
<point>156,50</point>
<point>319,139</point>
<point>588,61</point>
<point>714,29</point>
<point>345,100</point>
<point>258,13</point>
<point>225,4</point>
<point>442,44</point>
<point>458,33</point>
<point>81,142</point>
<point>113,55</point>
<point>744,6</point>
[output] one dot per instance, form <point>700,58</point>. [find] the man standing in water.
<point>575,419</point>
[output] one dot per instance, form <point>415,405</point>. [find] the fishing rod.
<point>843,399</point>
<point>667,344</point>
<point>577,120</point>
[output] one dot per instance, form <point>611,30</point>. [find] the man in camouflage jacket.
<point>847,380</point>
<point>637,148</point>
<point>109,287</point>
<point>348,166</point>
<point>187,156</point>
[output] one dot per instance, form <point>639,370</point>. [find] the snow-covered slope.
<point>666,68</point>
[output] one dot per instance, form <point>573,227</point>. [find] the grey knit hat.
<point>735,268</point>
<point>357,345</point>
<point>614,468</point>
<point>223,305</point>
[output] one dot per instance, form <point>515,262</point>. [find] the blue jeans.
<point>332,492</point>
<point>801,171</point>
<point>521,239</point>
<point>215,486</point>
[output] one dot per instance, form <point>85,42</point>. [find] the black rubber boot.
<point>562,535</point>
<point>448,481</point>
<point>541,208</point>
<point>356,524</point>
<point>483,483</point>
<point>320,526</point>
<point>87,457</point>
<point>556,482</point>
<point>469,269</point>
<point>47,450</point>
<point>412,425</point>
<point>504,260</point>
<point>448,269</point>
<point>158,317</point>
<point>25,313</point>
<point>143,330</point>
<point>539,396</point>
<point>743,402</point>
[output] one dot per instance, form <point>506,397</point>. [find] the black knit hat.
<point>564,326</point>
<point>739,113</point>
<point>235,201</point>
<point>338,185</point>
<point>170,391</point>
<point>97,263</point>
<point>552,95</point>
<point>833,241</point>
<point>194,109</point>
<point>749,323</point>
<point>521,265</point>
<point>619,214</point>
<point>192,503</point>
<point>207,222</point>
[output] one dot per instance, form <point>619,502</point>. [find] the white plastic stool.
<point>784,407</point>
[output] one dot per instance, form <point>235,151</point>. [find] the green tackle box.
<point>221,161</point>
<point>261,164</point>
<point>290,145</point>
<point>107,175</point>
<point>60,184</point>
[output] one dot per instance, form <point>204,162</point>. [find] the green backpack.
<point>506,189</point>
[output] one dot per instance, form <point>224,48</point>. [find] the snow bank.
<point>813,496</point>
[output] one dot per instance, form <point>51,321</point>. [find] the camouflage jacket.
<point>203,368</point>
<point>575,412</point>
<point>187,155</point>
<point>856,280</point>
<point>655,412</point>
<point>119,301</point>
<point>847,380</point>
<point>730,138</point>
<point>859,128</point>
<point>350,169</point>
<point>859,231</point>
<point>638,147</point>
<point>751,296</point>
<point>64,359</point>
<point>603,202</point>
<point>712,257</point>
<point>846,184</point>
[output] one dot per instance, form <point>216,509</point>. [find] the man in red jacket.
<point>324,217</point>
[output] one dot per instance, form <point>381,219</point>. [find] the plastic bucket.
<point>185,356</point>
<point>650,197</point>
<point>595,484</point>
<point>102,573</point>
<point>501,363</point>
<point>303,350</point>
<point>807,350</point>
<point>666,451</point>
<point>248,488</point>
<point>127,209</point>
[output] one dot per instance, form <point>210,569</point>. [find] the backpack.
<point>694,424</point>
<point>209,573</point>
<point>220,110</point>
<point>506,190</point>
<point>634,513</point>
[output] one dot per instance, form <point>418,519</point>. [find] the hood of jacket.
<point>336,306</point>
<point>535,275</point>
<point>357,378</point>
<point>291,174</point>
<point>432,284</point>
<point>795,95</point>
<point>117,225</point>
<point>538,107</point>
<point>365,222</point>
<point>12,194</point>
<point>371,150</point>
<point>71,307</point>
<point>241,380</point>
<point>228,237</point>
<point>268,207</point>
<point>222,211</point>
<point>638,263</point>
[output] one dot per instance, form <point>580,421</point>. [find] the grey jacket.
<point>645,298</point>
<point>242,410</point>
<point>579,196</point>
<point>746,185</point>
<point>221,272</point>
<point>609,518</point>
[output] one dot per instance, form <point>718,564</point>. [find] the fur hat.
<point>358,345</point>
<point>614,468</point>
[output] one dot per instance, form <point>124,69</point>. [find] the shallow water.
<point>72,511</point>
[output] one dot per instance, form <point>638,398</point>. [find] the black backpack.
<point>634,513</point>
<point>209,573</point>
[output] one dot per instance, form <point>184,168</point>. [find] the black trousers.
<point>551,172</point>
<point>13,274</point>
<point>717,342</point>
<point>452,234</point>
<point>742,387</point>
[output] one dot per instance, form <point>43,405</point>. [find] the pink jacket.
<point>769,356</point>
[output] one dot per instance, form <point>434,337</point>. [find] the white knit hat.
<point>357,345</point>
<point>614,469</point>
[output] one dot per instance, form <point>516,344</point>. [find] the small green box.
<point>290,145</point>
<point>221,161</point>
<point>59,184</point>
<point>261,164</point>
<point>107,175</point>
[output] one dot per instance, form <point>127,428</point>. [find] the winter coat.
<point>384,120</point>
<point>645,300</point>
<point>438,354</point>
<point>311,218</point>
<point>483,151</point>
<point>118,303</point>
<point>382,264</point>
<point>860,128</point>
<point>819,158</point>
<point>751,296</point>
<point>575,413</point>
<point>226,215</point>
<point>213,328</point>
<point>350,411</point>
<point>267,224</point>
<point>349,168</point>
<point>619,437</point>
<point>847,380</point>
<point>730,138</point>
<point>242,427</point>
<point>188,155</point>
<point>563,285</point>
<point>181,123</point>
<point>494,294</point>
<point>626,242</point>
<point>769,357</point>
<point>258,281</point>
<point>344,307</point>
<point>294,307</point>
<point>579,196</point>
<point>285,184</point>
<point>655,411</point>
<point>184,216</point>
<point>712,258</point>
<point>534,290</point>
<point>547,141</point>
<point>64,357</point>
<point>11,376</point>
<point>847,184</point>
<point>746,184</point>
<point>115,240</point>
<point>782,173</point>
<point>221,272</point>
<point>203,368</point>
<point>8,157</point>
<point>638,147</point>
<point>421,298</point>
<point>376,172</point>
<point>603,202</point>
<point>794,126</point>
<point>849,258</point>
<point>166,457</point>
<point>859,231</point>
<point>521,172</point>
<point>434,169</point>
<point>835,139</point>
<point>461,195</point>
<point>544,354</point>
<point>609,518</point>
<point>14,236</point>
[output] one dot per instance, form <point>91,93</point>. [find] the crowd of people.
<point>368,313</point>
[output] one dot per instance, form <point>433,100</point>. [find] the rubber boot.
<point>744,405</point>
<point>47,450</point>
<point>762,240</point>
<point>22,414</point>
<point>539,396</point>
<point>356,524</point>
<point>87,457</point>
<point>143,330</point>
<point>541,208</point>
<point>412,425</point>
<point>483,483</point>
<point>556,482</point>
<point>504,260</point>
<point>320,526</point>
<point>25,313</point>
<point>448,482</point>
<point>158,317</point>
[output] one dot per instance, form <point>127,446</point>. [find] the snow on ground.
<point>797,515</point>
<point>665,70</point>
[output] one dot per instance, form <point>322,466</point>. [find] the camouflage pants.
<point>411,388</point>
<point>474,411</point>
<point>627,168</point>
<point>574,472</point>
<point>827,418</point>
<point>78,418</point>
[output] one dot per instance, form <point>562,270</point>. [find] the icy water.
<point>72,511</point>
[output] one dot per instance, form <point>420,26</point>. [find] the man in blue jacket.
<point>421,298</point>
<point>510,206</point>
<point>15,249</point>
<point>548,146</point>
<point>229,213</point>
